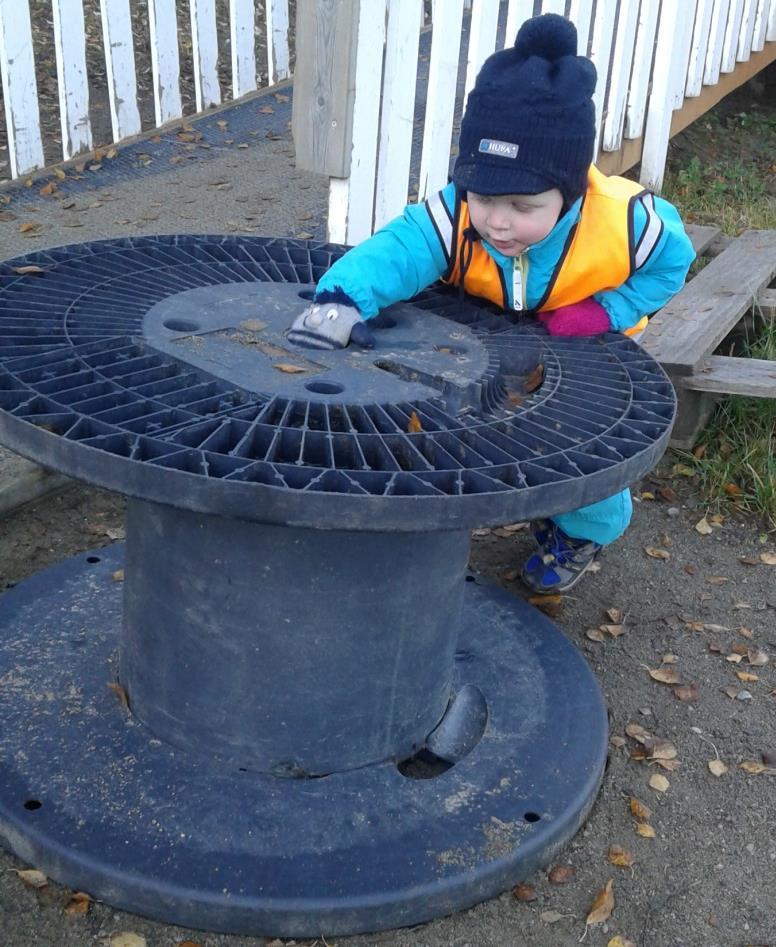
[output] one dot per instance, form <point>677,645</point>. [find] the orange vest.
<point>598,255</point>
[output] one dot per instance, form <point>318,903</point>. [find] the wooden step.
<point>753,377</point>
<point>701,237</point>
<point>698,318</point>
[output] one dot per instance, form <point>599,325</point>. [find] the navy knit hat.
<point>529,124</point>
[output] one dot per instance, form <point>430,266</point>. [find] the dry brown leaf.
<point>128,939</point>
<point>647,495</point>
<point>620,857</point>
<point>746,676</point>
<point>645,830</point>
<point>60,174</point>
<point>732,489</point>
<point>717,579</point>
<point>769,558</point>
<point>669,658</point>
<point>658,782</point>
<point>732,691</point>
<point>717,767</point>
<point>550,917</point>
<point>654,553</point>
<point>28,270</point>
<point>118,575</point>
<point>602,906</point>
<point>670,765</point>
<point>120,693</point>
<point>755,768</point>
<point>757,657</point>
<point>33,877</point>
<point>595,634</point>
<point>734,658</point>
<point>703,527</point>
<point>288,368</point>
<point>615,615</point>
<point>740,648</point>
<point>746,632</point>
<point>534,379</point>
<point>638,732</point>
<point>614,630</point>
<point>659,749</point>
<point>667,675</point>
<point>551,605</point>
<point>413,425</point>
<point>686,692</point>
<point>48,189</point>
<point>28,226</point>
<point>524,893</point>
<point>618,941</point>
<point>79,903</point>
<point>617,741</point>
<point>561,874</point>
<point>749,561</point>
<point>668,494</point>
<point>638,809</point>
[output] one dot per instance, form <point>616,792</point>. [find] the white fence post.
<point>621,71</point>
<point>642,69</point>
<point>719,19</point>
<point>518,12</point>
<point>241,14</point>
<point>120,67</point>
<point>20,95</point>
<point>700,44</point>
<point>70,51</point>
<point>396,121</point>
<point>603,33</point>
<point>204,48</point>
<point>735,18</point>
<point>440,102</point>
<point>746,33</point>
<point>276,12</point>
<point>165,61</point>
<point>351,199</point>
<point>482,40</point>
<point>761,25</point>
<point>669,78</point>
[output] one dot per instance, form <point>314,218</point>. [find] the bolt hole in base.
<point>92,559</point>
<point>32,804</point>
<point>325,387</point>
<point>532,817</point>
<point>182,325</point>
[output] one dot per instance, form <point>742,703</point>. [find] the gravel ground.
<point>707,878</point>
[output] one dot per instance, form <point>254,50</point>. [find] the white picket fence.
<point>650,56</point>
<point>19,82</point>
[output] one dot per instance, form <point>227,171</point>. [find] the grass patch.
<point>722,172</point>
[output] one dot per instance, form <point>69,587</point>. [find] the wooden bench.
<point>683,336</point>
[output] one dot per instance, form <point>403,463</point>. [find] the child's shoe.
<point>560,562</point>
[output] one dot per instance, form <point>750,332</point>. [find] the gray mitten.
<point>330,326</point>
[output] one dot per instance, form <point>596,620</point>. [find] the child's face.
<point>512,222</point>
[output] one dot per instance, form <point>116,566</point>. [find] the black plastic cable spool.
<point>333,727</point>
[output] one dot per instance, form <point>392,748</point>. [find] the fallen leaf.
<point>620,857</point>
<point>638,732</point>
<point>595,634</point>
<point>618,941</point>
<point>614,630</point>
<point>668,494</point>
<point>551,605</point>
<point>128,939</point>
<point>746,677</point>
<point>550,917</point>
<point>638,809</point>
<point>615,615</point>
<point>28,227</point>
<point>524,893</point>
<point>288,368</point>
<point>267,110</point>
<point>658,782</point>
<point>602,906</point>
<point>654,553</point>
<point>669,658</point>
<point>79,903</point>
<point>60,174</point>
<point>769,558</point>
<point>756,769</point>
<point>670,765</point>
<point>732,489</point>
<point>118,575</point>
<point>659,749</point>
<point>647,495</point>
<point>28,270</point>
<point>222,124</point>
<point>645,830</point>
<point>718,579</point>
<point>414,426</point>
<point>702,527</point>
<point>667,675</point>
<point>749,561</point>
<point>746,632</point>
<point>32,877</point>
<point>757,657</point>
<point>690,569</point>
<point>534,379</point>
<point>682,470</point>
<point>686,692</point>
<point>561,874</point>
<point>735,658</point>
<point>717,767</point>
<point>699,451</point>
<point>120,693</point>
<point>48,189</point>
<point>617,741</point>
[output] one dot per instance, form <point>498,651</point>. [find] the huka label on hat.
<point>504,149</point>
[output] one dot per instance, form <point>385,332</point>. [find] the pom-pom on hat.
<point>529,123</point>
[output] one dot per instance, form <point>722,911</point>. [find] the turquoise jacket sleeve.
<point>659,278</point>
<point>395,263</point>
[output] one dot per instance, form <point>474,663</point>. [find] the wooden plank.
<point>699,48</point>
<point>20,92</point>
<point>398,110</point>
<point>719,19</point>
<point>642,67</point>
<point>732,32</point>
<point>204,50</point>
<point>728,375</point>
<point>70,52</point>
<point>325,86</point>
<point>698,318</point>
<point>580,14</point>
<point>701,237</point>
<point>482,40</point>
<point>440,98</point>
<point>165,61</point>
<point>765,304</point>
<point>120,68</point>
<point>746,34</point>
<point>603,36</point>
<point>668,82</point>
<point>241,15</point>
<point>278,67</point>
<point>622,61</point>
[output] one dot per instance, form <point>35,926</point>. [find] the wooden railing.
<point>166,20</point>
<point>656,61</point>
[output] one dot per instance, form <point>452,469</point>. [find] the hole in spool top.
<point>32,804</point>
<point>325,387</point>
<point>181,325</point>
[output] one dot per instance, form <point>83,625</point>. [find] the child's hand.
<point>584,318</point>
<point>330,325</point>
